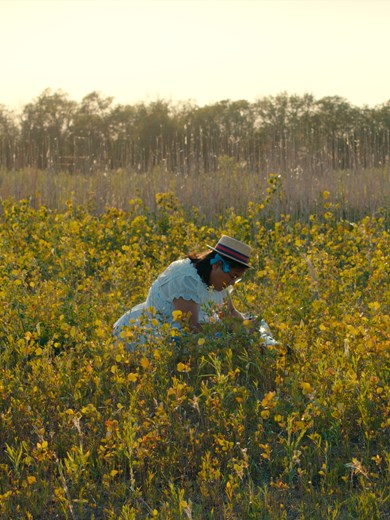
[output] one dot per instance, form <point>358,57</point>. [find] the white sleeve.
<point>186,287</point>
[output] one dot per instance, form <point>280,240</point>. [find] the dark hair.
<point>202,264</point>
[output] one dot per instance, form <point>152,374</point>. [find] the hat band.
<point>233,253</point>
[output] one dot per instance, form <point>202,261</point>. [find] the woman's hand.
<point>252,323</point>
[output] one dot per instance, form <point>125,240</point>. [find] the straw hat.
<point>233,249</point>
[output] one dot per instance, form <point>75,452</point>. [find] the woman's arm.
<point>252,323</point>
<point>233,312</point>
<point>190,308</point>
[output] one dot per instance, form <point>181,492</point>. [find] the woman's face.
<point>220,280</point>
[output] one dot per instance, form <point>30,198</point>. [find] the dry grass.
<point>299,194</point>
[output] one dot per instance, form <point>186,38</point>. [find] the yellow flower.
<point>182,367</point>
<point>374,306</point>
<point>175,333</point>
<point>268,399</point>
<point>177,315</point>
<point>306,388</point>
<point>145,363</point>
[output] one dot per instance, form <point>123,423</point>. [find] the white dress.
<point>179,280</point>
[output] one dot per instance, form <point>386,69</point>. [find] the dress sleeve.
<point>186,287</point>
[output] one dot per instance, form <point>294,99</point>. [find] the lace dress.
<point>179,280</point>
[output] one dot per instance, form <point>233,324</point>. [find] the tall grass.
<point>355,193</point>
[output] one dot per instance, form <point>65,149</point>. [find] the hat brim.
<point>230,257</point>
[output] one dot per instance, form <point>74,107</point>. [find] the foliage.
<point>283,133</point>
<point>209,426</point>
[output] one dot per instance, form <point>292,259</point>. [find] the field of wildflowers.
<point>214,426</point>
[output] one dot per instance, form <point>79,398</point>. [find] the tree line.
<point>275,133</point>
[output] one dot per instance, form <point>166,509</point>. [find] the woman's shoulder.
<point>181,279</point>
<point>182,267</point>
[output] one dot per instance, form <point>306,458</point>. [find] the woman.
<point>196,286</point>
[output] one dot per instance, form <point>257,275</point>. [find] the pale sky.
<point>202,51</point>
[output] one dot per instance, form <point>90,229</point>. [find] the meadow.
<point>209,426</point>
